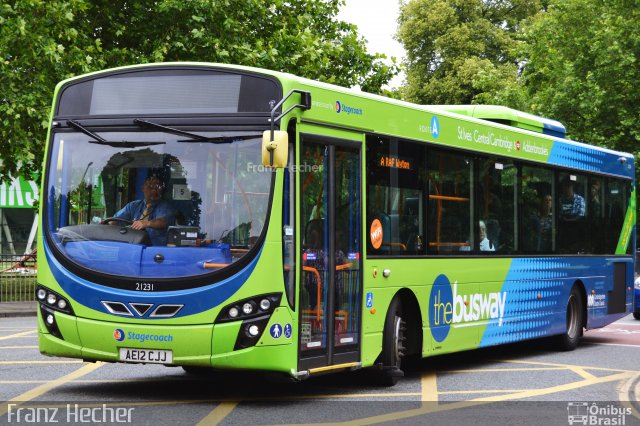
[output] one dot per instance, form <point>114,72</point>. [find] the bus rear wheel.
<point>569,340</point>
<point>636,315</point>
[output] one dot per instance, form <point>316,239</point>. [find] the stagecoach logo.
<point>340,107</point>
<point>447,307</point>
<point>118,334</point>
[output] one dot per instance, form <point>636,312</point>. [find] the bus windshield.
<point>154,204</point>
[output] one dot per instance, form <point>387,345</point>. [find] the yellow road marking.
<point>343,395</point>
<point>429,384</point>
<point>21,382</point>
<point>46,387</point>
<point>18,347</point>
<point>13,336</point>
<point>556,389</point>
<point>75,361</point>
<point>582,373</point>
<point>218,414</point>
<point>501,370</point>
<point>624,395</point>
<point>463,392</point>
<point>566,366</point>
<point>432,408</point>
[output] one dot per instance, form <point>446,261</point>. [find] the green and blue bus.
<point>315,228</point>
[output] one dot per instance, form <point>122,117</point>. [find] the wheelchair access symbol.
<point>369,300</point>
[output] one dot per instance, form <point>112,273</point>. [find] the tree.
<point>585,71</point>
<point>458,51</point>
<point>45,41</point>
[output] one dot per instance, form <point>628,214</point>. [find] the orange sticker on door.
<point>375,234</point>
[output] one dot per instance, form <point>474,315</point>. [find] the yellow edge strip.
<point>333,367</point>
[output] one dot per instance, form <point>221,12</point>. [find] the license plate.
<point>154,356</point>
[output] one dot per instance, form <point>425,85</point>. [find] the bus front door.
<point>330,282</point>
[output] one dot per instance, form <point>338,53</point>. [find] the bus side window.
<point>396,195</point>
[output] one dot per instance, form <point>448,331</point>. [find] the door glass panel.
<point>347,243</point>
<point>315,243</point>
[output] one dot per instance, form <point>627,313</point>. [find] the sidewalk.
<point>18,309</point>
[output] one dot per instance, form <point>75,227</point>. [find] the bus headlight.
<point>254,313</point>
<point>265,304</point>
<point>41,294</point>
<point>52,303</point>
<point>247,308</point>
<point>49,319</point>
<point>253,307</point>
<point>53,300</point>
<point>250,332</point>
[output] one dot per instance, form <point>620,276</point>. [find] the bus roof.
<point>510,117</point>
<point>484,128</point>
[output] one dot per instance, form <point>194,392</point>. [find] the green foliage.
<point>461,51</point>
<point>582,69</point>
<point>45,41</point>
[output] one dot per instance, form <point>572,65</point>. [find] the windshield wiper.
<point>102,141</point>
<point>193,137</point>
<point>78,126</point>
<point>127,144</point>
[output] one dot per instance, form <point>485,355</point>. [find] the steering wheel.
<point>124,221</point>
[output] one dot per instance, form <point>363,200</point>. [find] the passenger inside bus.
<point>485,243</point>
<point>544,225</point>
<point>152,214</point>
<point>572,205</point>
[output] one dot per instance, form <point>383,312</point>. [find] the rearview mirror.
<point>275,153</point>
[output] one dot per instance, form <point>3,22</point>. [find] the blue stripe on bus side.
<point>537,290</point>
<point>584,157</point>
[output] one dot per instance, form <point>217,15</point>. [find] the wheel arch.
<point>413,318</point>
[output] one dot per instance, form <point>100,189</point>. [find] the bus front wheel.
<point>569,340</point>
<point>393,344</point>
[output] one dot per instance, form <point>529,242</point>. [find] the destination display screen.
<point>169,92</point>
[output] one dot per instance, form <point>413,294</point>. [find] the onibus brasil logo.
<point>447,307</point>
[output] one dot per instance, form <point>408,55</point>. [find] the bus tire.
<point>569,340</point>
<point>393,344</point>
<point>636,315</point>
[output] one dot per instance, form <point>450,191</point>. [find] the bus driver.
<point>152,214</point>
